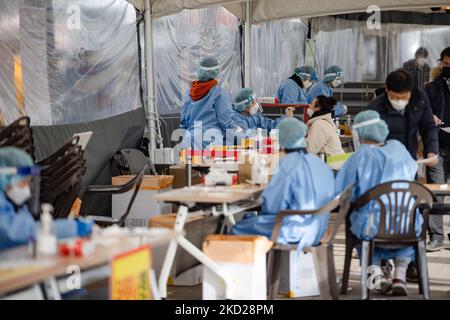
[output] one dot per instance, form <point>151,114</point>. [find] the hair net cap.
<point>243,99</point>
<point>332,72</point>
<point>291,133</point>
<point>12,157</point>
<point>208,69</point>
<point>377,132</point>
<point>306,71</point>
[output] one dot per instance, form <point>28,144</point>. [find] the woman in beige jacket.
<point>322,136</point>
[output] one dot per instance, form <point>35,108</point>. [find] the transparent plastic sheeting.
<point>67,61</point>
<point>181,40</point>
<point>277,48</point>
<point>369,55</point>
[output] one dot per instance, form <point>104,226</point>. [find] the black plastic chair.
<point>322,252</point>
<point>109,190</point>
<point>18,134</point>
<point>393,233</point>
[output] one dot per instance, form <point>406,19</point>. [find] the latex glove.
<point>239,130</point>
<point>84,227</point>
<point>290,111</point>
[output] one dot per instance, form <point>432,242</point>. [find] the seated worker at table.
<point>206,107</point>
<point>302,182</point>
<point>247,112</point>
<point>332,79</point>
<point>377,161</point>
<point>322,136</point>
<point>291,90</point>
<point>17,225</point>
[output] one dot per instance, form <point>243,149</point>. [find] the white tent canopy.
<point>264,10</point>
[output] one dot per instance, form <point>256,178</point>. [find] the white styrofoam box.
<point>249,281</point>
<point>143,208</point>
<point>297,275</point>
<point>191,277</point>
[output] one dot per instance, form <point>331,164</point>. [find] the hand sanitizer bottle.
<point>46,239</point>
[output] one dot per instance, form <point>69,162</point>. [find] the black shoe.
<point>433,246</point>
<point>411,273</point>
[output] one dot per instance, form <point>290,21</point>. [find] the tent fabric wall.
<point>369,55</point>
<point>67,61</point>
<point>182,40</point>
<point>109,135</point>
<point>265,10</point>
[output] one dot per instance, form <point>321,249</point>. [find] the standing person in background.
<point>333,78</point>
<point>291,90</point>
<point>206,106</point>
<point>419,68</point>
<point>322,135</point>
<point>407,112</point>
<point>438,93</point>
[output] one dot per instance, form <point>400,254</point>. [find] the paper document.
<point>427,160</point>
<point>446,129</point>
<point>84,138</point>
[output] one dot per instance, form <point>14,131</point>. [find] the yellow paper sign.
<point>130,277</point>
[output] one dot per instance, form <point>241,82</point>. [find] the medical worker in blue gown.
<point>292,90</point>
<point>332,79</point>
<point>377,161</point>
<point>206,111</point>
<point>247,113</point>
<point>302,182</point>
<point>17,225</point>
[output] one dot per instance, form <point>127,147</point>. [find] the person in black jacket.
<point>438,93</point>
<point>407,112</point>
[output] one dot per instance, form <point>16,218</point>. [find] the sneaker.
<point>399,288</point>
<point>433,246</point>
<point>412,274</point>
<point>382,284</point>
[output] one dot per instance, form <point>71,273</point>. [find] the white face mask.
<point>307,84</point>
<point>310,112</point>
<point>421,62</point>
<point>336,83</point>
<point>398,104</point>
<point>19,195</point>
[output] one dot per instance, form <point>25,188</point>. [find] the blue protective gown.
<point>17,228</point>
<point>369,166</point>
<point>302,182</point>
<point>290,92</point>
<point>213,111</point>
<point>321,88</point>
<point>252,122</point>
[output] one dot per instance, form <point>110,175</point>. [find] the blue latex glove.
<point>84,227</point>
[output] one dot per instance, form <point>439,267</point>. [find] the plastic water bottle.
<point>338,129</point>
<point>46,238</point>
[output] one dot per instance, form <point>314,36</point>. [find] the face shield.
<point>356,141</point>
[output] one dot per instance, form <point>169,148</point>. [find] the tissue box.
<point>144,206</point>
<point>243,259</point>
<point>297,275</point>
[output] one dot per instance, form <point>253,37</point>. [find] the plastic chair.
<point>18,134</point>
<point>61,176</point>
<point>392,234</point>
<point>322,252</point>
<point>108,190</point>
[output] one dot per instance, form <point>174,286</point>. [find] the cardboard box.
<point>144,205</point>
<point>297,275</point>
<point>243,258</point>
<point>179,174</point>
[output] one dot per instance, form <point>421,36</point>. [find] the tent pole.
<point>151,113</point>
<point>247,42</point>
